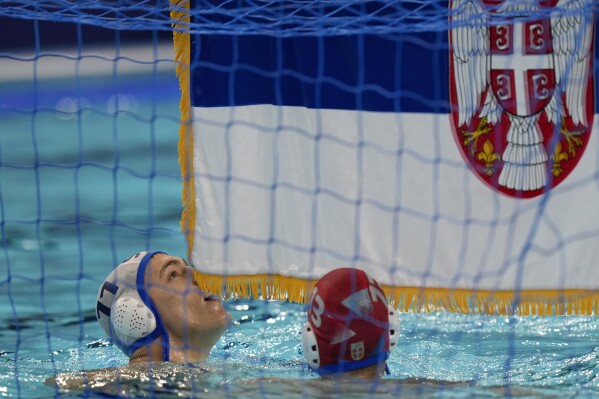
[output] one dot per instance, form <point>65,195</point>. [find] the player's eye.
<point>173,275</point>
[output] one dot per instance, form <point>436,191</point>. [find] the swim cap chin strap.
<point>343,366</point>
<point>160,330</point>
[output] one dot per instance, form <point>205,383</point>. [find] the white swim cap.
<point>125,310</point>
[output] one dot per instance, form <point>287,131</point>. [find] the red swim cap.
<point>348,323</point>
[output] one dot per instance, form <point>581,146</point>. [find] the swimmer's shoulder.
<point>86,379</point>
<point>81,379</point>
<point>426,381</point>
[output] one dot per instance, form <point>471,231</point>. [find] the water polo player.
<point>351,328</point>
<point>153,310</point>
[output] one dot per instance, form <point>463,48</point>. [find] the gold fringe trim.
<point>414,299</point>
<point>260,286</point>
<point>180,15</point>
<point>522,303</point>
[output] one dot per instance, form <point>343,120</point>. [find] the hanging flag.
<point>457,166</point>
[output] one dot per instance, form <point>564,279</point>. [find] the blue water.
<point>89,175</point>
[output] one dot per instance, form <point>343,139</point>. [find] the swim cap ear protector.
<point>125,310</point>
<point>130,317</point>
<point>350,325</point>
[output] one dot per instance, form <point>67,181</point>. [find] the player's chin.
<point>221,321</point>
<point>223,316</point>
<point>217,308</point>
<point>228,319</point>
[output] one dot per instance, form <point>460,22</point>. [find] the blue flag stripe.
<point>373,73</point>
<point>400,73</point>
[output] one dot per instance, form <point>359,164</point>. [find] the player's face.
<point>187,312</point>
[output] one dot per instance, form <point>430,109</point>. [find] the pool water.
<point>89,175</point>
<point>260,356</point>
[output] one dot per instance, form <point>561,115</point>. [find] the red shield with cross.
<point>521,90</point>
<point>357,350</point>
<point>522,74</point>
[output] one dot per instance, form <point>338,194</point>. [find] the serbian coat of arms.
<point>522,89</point>
<point>357,350</point>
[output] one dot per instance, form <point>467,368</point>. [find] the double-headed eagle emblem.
<point>522,96</point>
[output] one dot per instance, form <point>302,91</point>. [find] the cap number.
<point>100,307</point>
<point>316,308</point>
<point>375,293</point>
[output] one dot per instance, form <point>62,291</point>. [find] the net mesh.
<point>289,18</point>
<point>89,115</point>
<point>274,18</point>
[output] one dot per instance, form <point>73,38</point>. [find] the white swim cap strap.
<point>145,297</point>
